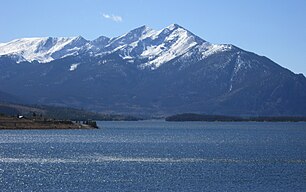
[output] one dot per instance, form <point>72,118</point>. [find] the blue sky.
<point>273,28</point>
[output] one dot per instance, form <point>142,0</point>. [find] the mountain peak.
<point>79,37</point>
<point>142,30</point>
<point>174,26</point>
<point>100,41</point>
<point>130,37</point>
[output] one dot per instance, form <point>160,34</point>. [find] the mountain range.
<point>147,71</point>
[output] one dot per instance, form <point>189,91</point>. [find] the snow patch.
<point>127,57</point>
<point>74,66</point>
<point>210,49</point>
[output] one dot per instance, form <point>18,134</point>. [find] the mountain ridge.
<point>46,49</point>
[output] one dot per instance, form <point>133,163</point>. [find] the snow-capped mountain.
<point>156,47</point>
<point>147,71</point>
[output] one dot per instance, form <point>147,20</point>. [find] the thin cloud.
<point>115,18</point>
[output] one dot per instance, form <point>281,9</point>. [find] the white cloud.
<point>115,18</point>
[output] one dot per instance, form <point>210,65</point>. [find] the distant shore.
<point>15,123</point>
<point>201,117</point>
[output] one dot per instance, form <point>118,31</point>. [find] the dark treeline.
<point>201,117</point>
<point>60,113</point>
<point>82,115</point>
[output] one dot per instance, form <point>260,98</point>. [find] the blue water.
<point>156,156</point>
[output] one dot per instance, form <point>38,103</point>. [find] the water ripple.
<point>101,159</point>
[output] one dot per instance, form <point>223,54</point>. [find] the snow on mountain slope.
<point>43,49</point>
<point>98,44</point>
<point>159,47</point>
<point>210,49</point>
<point>176,41</point>
<point>130,38</point>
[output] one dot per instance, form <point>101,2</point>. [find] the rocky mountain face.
<point>8,98</point>
<point>149,72</point>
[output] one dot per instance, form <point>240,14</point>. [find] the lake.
<point>156,156</point>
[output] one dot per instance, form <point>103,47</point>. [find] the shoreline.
<point>15,123</point>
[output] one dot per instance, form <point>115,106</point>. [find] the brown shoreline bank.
<point>21,123</point>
